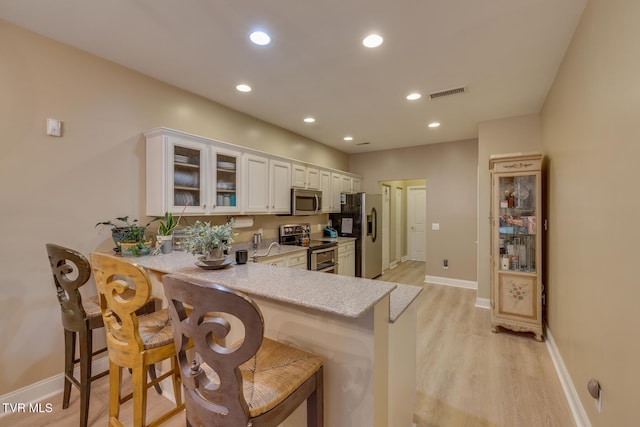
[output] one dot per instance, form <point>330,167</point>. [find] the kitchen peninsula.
<point>364,329</point>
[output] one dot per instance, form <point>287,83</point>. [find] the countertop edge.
<point>401,298</point>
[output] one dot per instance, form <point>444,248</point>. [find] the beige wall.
<point>450,172</point>
<point>511,135</point>
<point>56,189</point>
<point>591,137</point>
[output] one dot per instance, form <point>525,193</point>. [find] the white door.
<point>399,224</point>
<point>386,202</point>
<point>416,218</point>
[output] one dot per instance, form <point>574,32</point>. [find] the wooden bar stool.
<point>80,317</point>
<point>134,341</point>
<point>255,382</point>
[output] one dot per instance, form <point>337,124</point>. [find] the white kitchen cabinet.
<point>278,260</point>
<point>296,259</point>
<point>298,175</point>
<point>347,258</point>
<point>201,176</point>
<point>325,188</point>
<point>176,174</point>
<point>345,184</point>
<point>336,180</point>
<point>256,183</point>
<point>305,177</point>
<point>280,186</point>
<point>356,185</point>
<point>268,185</point>
<point>225,180</point>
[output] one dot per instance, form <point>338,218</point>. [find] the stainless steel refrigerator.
<point>361,217</point>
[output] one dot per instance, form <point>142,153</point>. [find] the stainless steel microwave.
<point>306,202</point>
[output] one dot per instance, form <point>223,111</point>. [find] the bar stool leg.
<point>139,379</point>
<point>86,348</point>
<point>69,355</point>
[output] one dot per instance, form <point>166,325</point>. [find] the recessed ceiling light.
<point>309,120</point>
<point>372,40</point>
<point>434,124</point>
<point>413,96</point>
<point>243,88</point>
<point>260,38</point>
<point>348,138</point>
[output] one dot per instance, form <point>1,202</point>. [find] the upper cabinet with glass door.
<point>176,173</point>
<point>225,183</point>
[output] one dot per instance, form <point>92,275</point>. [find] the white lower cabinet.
<point>297,259</point>
<point>347,258</point>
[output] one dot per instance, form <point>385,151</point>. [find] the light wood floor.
<point>467,376</point>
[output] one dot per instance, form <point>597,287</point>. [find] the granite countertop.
<point>340,295</point>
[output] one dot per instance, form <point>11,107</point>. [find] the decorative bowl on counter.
<point>211,262</point>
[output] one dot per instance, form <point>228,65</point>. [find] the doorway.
<point>386,220</point>
<point>416,223</point>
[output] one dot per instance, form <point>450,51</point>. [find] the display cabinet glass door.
<point>187,178</point>
<point>226,173</point>
<point>518,223</point>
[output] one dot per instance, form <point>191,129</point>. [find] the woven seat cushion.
<point>91,306</point>
<point>272,374</point>
<point>155,329</point>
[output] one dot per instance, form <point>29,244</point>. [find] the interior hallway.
<point>471,377</point>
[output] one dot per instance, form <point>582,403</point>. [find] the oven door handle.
<point>319,251</point>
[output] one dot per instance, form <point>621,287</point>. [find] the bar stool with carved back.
<point>256,382</point>
<point>80,317</point>
<point>134,341</point>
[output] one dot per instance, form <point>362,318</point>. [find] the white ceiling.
<point>505,51</point>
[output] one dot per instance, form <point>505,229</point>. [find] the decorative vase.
<point>215,254</point>
<point>166,245</point>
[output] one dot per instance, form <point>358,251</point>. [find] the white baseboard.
<point>43,390</point>
<point>446,281</point>
<point>577,410</point>
<point>404,258</point>
<point>483,303</point>
<point>393,265</point>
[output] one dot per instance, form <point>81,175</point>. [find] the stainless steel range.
<point>322,255</point>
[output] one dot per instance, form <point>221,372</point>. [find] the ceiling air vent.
<point>363,143</point>
<point>447,92</point>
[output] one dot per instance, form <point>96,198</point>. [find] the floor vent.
<point>447,92</point>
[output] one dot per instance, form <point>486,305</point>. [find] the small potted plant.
<point>208,241</point>
<point>164,238</point>
<point>128,236</point>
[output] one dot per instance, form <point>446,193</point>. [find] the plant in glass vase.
<point>209,241</point>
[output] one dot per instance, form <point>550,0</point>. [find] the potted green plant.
<point>164,239</point>
<point>129,236</point>
<point>209,241</point>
